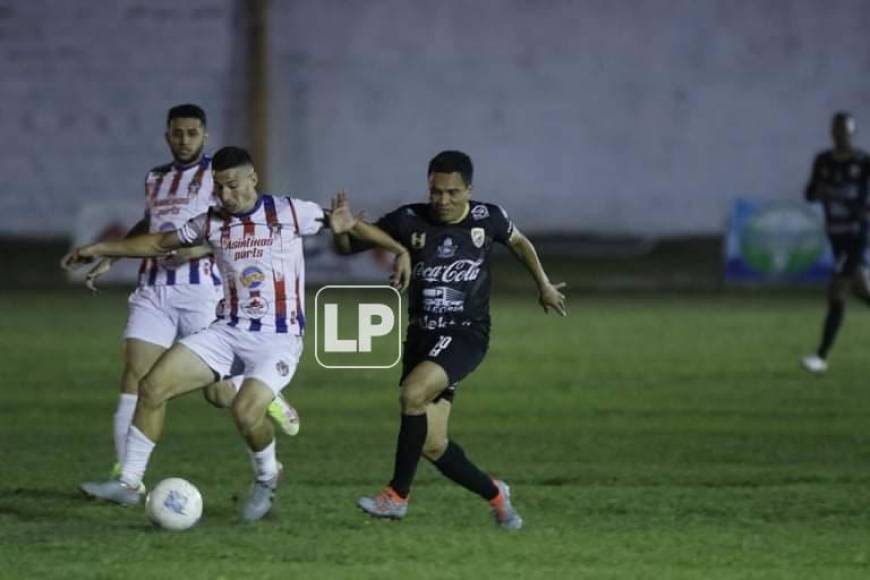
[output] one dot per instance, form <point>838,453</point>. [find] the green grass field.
<point>646,436</point>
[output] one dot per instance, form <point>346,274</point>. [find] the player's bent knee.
<point>413,399</point>
<point>152,393</point>
<point>130,380</point>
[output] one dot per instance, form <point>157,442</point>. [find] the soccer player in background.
<point>177,294</point>
<point>450,240</point>
<point>839,181</point>
<point>257,242</point>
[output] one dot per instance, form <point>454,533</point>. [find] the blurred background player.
<point>450,240</point>
<point>177,294</point>
<point>257,242</point>
<point>839,181</point>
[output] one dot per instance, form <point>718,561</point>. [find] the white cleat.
<point>814,364</point>
<point>506,515</point>
<point>113,490</point>
<point>261,497</point>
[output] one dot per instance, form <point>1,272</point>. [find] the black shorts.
<point>848,254</point>
<point>458,351</point>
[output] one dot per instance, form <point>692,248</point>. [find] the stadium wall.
<point>627,116</point>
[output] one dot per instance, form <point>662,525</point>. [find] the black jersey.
<point>847,182</point>
<point>450,278</point>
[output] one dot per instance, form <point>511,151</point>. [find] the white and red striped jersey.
<point>173,195</point>
<point>259,255</point>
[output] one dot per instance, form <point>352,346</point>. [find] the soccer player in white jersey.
<point>177,295</point>
<point>257,242</point>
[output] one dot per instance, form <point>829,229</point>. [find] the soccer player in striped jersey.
<point>177,294</point>
<point>840,181</point>
<point>257,243</point>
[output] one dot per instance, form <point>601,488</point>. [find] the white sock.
<point>237,382</point>
<point>264,462</point>
<point>139,449</point>
<point>121,422</point>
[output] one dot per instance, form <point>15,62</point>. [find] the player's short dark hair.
<point>453,162</point>
<point>841,117</point>
<point>230,157</point>
<point>185,111</point>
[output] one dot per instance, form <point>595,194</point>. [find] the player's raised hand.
<point>341,219</point>
<point>401,275</point>
<point>75,259</point>
<point>550,297</point>
<point>103,266</point>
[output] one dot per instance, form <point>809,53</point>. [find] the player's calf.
<point>247,414</point>
<point>220,394</point>
<point>434,449</point>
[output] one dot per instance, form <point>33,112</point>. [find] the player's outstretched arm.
<point>105,264</point>
<point>184,255</point>
<point>143,246</point>
<point>343,224</point>
<point>549,295</point>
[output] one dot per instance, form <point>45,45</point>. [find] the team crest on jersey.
<point>283,368</point>
<point>418,240</point>
<point>252,277</point>
<point>256,307</point>
<point>447,249</point>
<point>854,170</point>
<point>479,212</point>
<point>478,236</point>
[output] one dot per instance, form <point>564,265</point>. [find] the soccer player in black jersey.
<point>450,240</point>
<point>839,181</point>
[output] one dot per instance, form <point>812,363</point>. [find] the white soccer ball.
<point>174,504</point>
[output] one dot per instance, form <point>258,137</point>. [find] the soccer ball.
<point>174,504</point>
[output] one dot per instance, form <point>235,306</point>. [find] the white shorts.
<point>160,314</point>
<point>268,357</point>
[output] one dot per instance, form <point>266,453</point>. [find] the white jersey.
<point>259,255</point>
<point>173,195</point>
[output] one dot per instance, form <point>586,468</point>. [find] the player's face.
<point>236,188</point>
<point>842,131</point>
<point>186,138</point>
<point>448,196</point>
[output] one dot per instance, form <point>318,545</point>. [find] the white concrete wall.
<point>644,116</point>
<point>612,115</point>
<point>85,86</point>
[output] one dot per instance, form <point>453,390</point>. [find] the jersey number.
<point>443,342</point>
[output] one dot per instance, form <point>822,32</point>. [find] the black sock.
<point>454,465</point>
<point>409,447</point>
<point>832,324</point>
